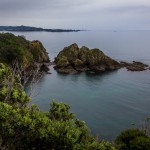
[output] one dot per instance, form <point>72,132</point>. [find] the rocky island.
<point>73,59</point>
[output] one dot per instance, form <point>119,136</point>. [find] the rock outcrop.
<point>73,59</point>
<point>134,66</point>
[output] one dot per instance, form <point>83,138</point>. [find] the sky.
<point>77,14</point>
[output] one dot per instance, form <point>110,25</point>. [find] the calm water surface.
<point>109,102</point>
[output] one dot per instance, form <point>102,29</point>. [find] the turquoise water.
<point>109,102</point>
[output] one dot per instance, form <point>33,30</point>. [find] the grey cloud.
<point>130,8</point>
<point>36,4</point>
<point>76,14</point>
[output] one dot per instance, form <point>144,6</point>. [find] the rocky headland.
<point>29,54</point>
<point>73,59</point>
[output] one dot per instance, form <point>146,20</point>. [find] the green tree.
<point>60,111</point>
<point>10,88</point>
<point>133,139</point>
<point>29,128</point>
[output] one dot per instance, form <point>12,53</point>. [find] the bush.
<point>133,139</point>
<point>29,128</point>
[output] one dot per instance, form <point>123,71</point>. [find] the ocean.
<point>108,102</point>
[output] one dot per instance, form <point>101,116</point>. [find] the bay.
<point>110,102</point>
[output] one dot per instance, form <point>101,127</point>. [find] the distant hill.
<point>28,28</point>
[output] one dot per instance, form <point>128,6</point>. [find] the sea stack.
<point>73,59</point>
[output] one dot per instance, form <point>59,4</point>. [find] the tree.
<point>133,139</point>
<point>27,76</point>
<point>60,111</point>
<point>29,128</point>
<point>146,126</point>
<point>10,89</point>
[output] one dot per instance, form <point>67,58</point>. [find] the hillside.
<point>17,47</point>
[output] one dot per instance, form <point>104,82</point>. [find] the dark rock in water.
<point>73,59</point>
<point>49,72</point>
<point>124,64</point>
<point>66,70</point>
<point>134,66</point>
<point>81,68</point>
<point>44,68</point>
<point>98,68</point>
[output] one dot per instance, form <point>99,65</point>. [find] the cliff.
<point>17,47</point>
<point>27,53</point>
<point>21,61</point>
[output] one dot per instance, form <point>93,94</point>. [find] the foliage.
<point>17,47</point>
<point>146,126</point>
<point>29,128</point>
<point>79,56</point>
<point>20,61</point>
<point>60,111</point>
<point>26,127</point>
<point>133,139</point>
<point>10,89</point>
<point>63,61</point>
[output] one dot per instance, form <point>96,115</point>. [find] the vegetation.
<point>29,128</point>
<point>24,127</point>
<point>10,88</point>
<point>17,47</point>
<point>133,139</point>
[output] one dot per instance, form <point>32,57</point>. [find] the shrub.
<point>133,139</point>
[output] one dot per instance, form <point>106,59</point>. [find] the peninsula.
<point>31,29</point>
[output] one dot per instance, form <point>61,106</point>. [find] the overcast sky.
<point>77,14</point>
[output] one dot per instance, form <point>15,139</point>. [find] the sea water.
<point>109,102</point>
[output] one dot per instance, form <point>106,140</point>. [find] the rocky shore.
<point>134,66</point>
<point>73,59</point>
